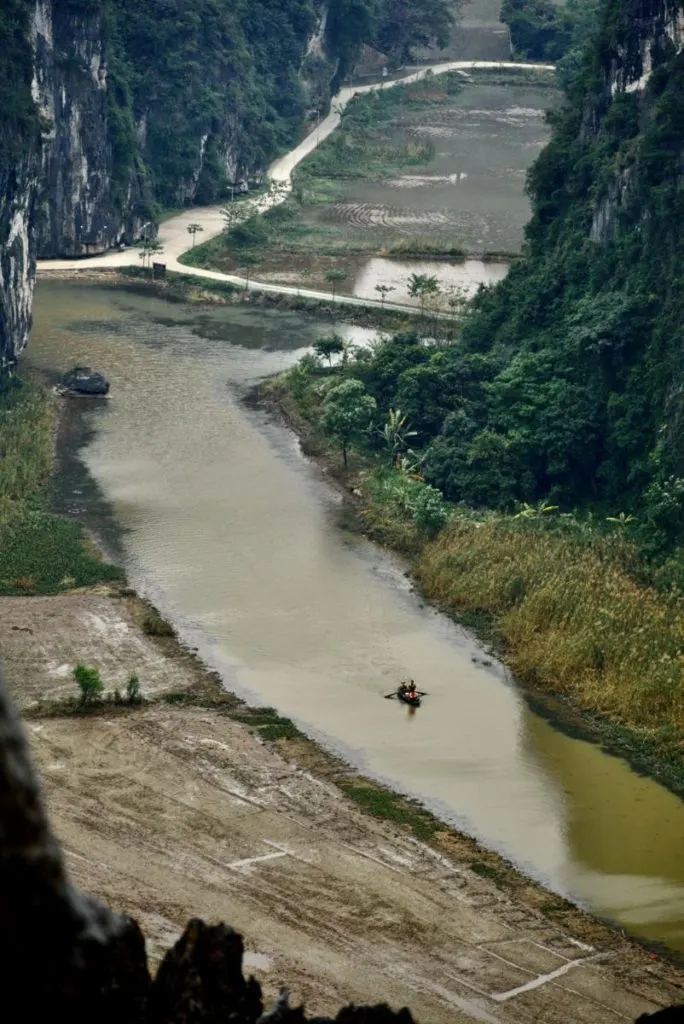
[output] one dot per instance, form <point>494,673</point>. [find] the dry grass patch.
<point>574,619</point>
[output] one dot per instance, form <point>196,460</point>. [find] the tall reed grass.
<point>26,441</point>
<point>574,617</point>
<point>39,552</point>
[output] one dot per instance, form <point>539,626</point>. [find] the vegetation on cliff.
<point>203,92</point>
<point>544,30</point>
<point>582,347</point>
<point>18,115</point>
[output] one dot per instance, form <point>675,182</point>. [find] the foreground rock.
<point>84,381</point>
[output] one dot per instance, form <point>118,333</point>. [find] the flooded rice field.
<point>217,517</point>
<point>457,278</point>
<point>471,193</point>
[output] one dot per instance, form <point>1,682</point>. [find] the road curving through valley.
<point>174,235</point>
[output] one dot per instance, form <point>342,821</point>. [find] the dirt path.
<point>173,233</point>
<point>170,812</point>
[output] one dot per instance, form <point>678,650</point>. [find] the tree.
<point>395,434</point>
<point>234,214</point>
<point>328,347</point>
<point>192,230</point>
<point>148,250</point>
<point>133,695</point>
<point>334,277</point>
<point>348,410</point>
<point>247,260</point>
<point>143,255</point>
<point>423,287</point>
<point>383,291</point>
<point>89,683</point>
<point>407,24</point>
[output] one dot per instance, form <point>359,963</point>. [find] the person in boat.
<point>408,689</point>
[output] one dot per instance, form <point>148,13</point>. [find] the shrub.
<point>428,510</point>
<point>89,683</point>
<point>133,695</point>
<point>155,625</point>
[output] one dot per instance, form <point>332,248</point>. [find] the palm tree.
<point>384,290</point>
<point>423,287</point>
<point>192,230</point>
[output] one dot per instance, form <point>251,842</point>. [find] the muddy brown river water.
<point>217,517</point>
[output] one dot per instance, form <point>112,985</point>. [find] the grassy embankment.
<point>593,633</point>
<point>304,238</point>
<point>40,552</point>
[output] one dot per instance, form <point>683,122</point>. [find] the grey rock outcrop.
<point>84,381</point>
<point>18,193</point>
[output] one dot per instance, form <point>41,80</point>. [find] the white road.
<point>173,233</point>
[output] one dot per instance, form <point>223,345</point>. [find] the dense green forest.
<point>580,352</point>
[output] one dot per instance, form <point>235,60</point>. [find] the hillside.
<point>571,387</point>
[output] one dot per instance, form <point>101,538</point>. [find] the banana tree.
<point>395,434</point>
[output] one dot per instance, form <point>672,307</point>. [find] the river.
<point>216,516</point>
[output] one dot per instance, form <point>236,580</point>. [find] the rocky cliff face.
<point>19,174</point>
<point>159,104</point>
<point>79,212</point>
<point>644,35</point>
<point>18,190</point>
<point>142,104</point>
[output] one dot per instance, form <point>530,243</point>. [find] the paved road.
<point>173,233</point>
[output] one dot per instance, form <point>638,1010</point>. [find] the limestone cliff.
<point>110,109</point>
<point>19,174</point>
<point>160,104</point>
<point>80,211</point>
<point>17,256</point>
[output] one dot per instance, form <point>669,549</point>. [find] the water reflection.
<point>625,833</point>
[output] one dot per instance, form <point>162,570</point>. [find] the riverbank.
<point>595,645</point>
<point>224,811</point>
<point>217,810</point>
<point>183,289</point>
